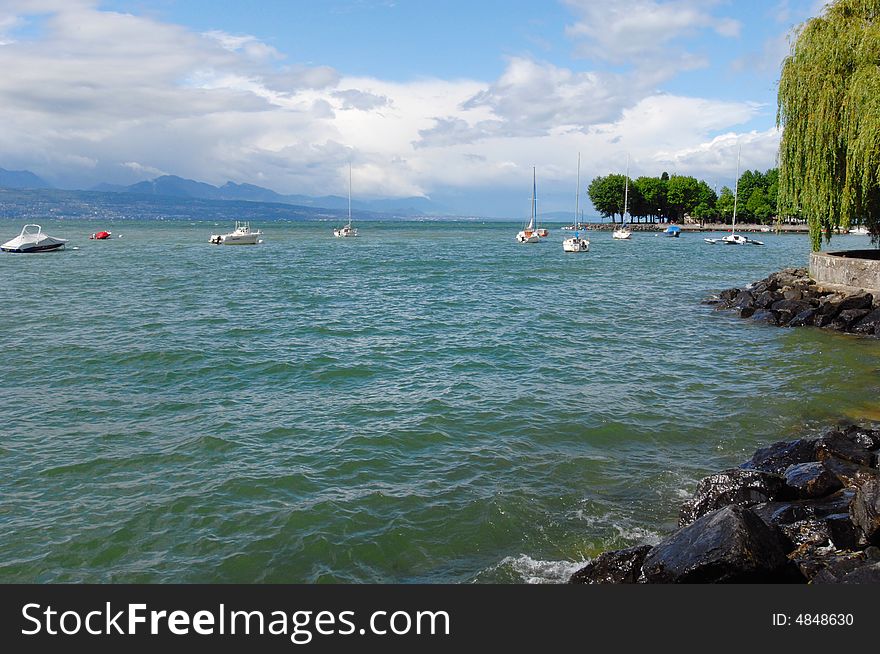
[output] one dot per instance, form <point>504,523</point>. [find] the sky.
<point>454,100</point>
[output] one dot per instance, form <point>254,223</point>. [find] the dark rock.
<point>746,312</point>
<point>851,475</point>
<point>843,533</point>
<point>790,306</point>
<point>617,567</point>
<point>805,534</point>
<point>857,301</point>
<point>865,574</point>
<point>836,444</point>
<point>867,438</point>
<point>805,317</point>
<point>729,294</point>
<point>868,324</point>
<point>793,294</point>
<point>782,513</point>
<point>737,486</point>
<point>764,315</point>
<point>765,299</point>
<point>743,300</point>
<point>865,510</point>
<point>810,480</point>
<point>778,456</point>
<point>846,318</point>
<point>830,567</point>
<point>730,545</point>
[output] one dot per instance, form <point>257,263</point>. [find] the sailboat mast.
<point>577,197</point>
<point>625,191</point>
<point>534,199</point>
<point>736,190</point>
<point>349,194</point>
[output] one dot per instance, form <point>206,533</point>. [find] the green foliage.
<point>606,194</point>
<point>683,195</point>
<point>652,193</point>
<point>758,207</point>
<point>829,108</point>
<point>725,204</point>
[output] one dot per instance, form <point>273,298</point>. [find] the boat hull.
<point>575,245</point>
<point>32,248</point>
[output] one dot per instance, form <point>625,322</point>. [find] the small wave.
<point>534,571</point>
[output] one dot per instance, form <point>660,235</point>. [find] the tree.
<point>707,200</point>
<point>606,194</point>
<point>653,193</point>
<point>829,108</point>
<point>683,195</point>
<point>725,204</point>
<point>758,206</point>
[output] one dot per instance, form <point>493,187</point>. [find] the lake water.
<point>429,402</point>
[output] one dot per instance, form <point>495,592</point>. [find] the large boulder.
<point>779,456</point>
<point>811,480</point>
<point>730,545</point>
<point>857,301</point>
<point>821,567</point>
<point>845,319</point>
<point>836,444</point>
<point>868,324</point>
<point>851,475</point>
<point>616,567</point>
<point>867,438</point>
<point>865,510</point>
<point>736,486</point>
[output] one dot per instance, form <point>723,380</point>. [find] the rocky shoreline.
<point>804,511</point>
<point>790,298</point>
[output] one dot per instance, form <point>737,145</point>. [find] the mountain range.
<point>179,187</point>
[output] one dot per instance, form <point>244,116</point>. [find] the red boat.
<point>100,236</point>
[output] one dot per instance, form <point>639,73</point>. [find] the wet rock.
<point>805,317</point>
<point>811,480</point>
<point>867,438</point>
<point>738,486</point>
<point>851,475</point>
<point>857,301</point>
<point>616,567</point>
<point>865,510</point>
<point>729,294</point>
<point>865,574</point>
<point>781,512</point>
<point>765,299</point>
<point>830,567</point>
<point>846,318</point>
<point>805,534</point>
<point>868,324</point>
<point>843,533</point>
<point>836,444</point>
<point>730,545</point>
<point>743,300</point>
<point>779,456</point>
<point>746,312</point>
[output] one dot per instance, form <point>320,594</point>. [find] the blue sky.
<point>449,99</point>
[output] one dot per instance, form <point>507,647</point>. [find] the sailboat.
<point>530,234</point>
<point>733,238</point>
<point>576,243</point>
<point>347,230</point>
<point>623,232</point>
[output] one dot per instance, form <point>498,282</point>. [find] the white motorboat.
<point>733,238</point>
<point>243,235</point>
<point>861,230</point>
<point>623,232</point>
<point>576,243</point>
<point>529,234</point>
<point>32,239</point>
<point>347,231</point>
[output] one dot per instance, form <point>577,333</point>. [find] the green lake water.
<point>429,402</point>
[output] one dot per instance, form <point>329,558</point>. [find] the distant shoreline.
<point>706,227</point>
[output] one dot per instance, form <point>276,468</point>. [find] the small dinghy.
<point>32,239</point>
<point>100,236</point>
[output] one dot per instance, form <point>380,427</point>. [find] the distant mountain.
<point>173,186</point>
<point>21,179</point>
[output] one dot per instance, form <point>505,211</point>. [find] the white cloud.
<point>639,31</point>
<point>104,96</point>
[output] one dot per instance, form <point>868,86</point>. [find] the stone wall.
<point>853,268</point>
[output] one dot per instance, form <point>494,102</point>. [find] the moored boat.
<point>576,243</point>
<point>242,235</point>
<point>99,236</point>
<point>529,234</point>
<point>32,239</point>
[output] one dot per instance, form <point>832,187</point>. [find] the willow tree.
<point>829,108</point>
